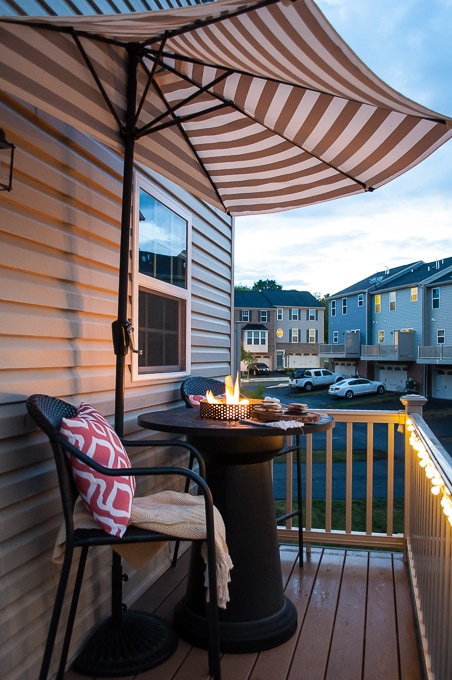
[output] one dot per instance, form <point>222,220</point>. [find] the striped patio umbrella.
<point>254,106</point>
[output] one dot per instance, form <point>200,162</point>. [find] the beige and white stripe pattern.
<point>287,115</point>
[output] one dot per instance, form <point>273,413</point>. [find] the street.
<point>441,425</point>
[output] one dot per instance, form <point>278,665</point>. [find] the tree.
<point>268,284</point>
<point>248,358</point>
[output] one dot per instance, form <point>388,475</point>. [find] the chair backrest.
<point>48,412</point>
<point>198,385</point>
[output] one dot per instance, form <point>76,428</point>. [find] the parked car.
<point>352,386</point>
<point>308,378</point>
<point>258,368</point>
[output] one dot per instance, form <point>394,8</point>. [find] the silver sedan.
<point>349,387</point>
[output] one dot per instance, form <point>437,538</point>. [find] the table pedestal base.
<point>239,637</point>
<point>258,615</point>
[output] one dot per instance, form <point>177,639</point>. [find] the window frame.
<point>344,306</point>
<point>377,304</point>
<point>435,298</point>
<point>158,287</point>
<point>264,316</point>
<point>245,315</point>
<point>414,294</point>
<point>441,336</point>
<point>392,301</point>
<point>333,308</point>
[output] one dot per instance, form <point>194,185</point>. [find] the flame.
<point>232,393</point>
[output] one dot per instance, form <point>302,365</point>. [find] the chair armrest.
<point>168,442</point>
<point>198,479</point>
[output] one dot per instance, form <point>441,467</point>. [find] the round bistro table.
<point>238,459</point>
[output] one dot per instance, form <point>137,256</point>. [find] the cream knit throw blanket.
<point>170,512</point>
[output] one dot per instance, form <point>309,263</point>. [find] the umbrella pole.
<point>120,327</point>
<point>128,642</point>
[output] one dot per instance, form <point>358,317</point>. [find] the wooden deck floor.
<point>355,622</point>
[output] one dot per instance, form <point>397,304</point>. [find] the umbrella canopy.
<point>254,107</point>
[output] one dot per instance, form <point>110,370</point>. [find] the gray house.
<point>283,328</point>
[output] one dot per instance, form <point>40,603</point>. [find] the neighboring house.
<point>60,228</point>
<point>283,328</point>
<point>394,327</point>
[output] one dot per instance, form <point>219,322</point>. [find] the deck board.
<point>355,622</point>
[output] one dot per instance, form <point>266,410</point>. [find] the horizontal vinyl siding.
<point>59,235</point>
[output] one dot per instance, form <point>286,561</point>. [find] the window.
<point>335,336</point>
<point>256,338</point>
<point>361,300</point>
<point>441,337</point>
<point>312,314</point>
<point>263,315</point>
<point>311,335</point>
<point>245,315</point>
<point>344,305</point>
<point>413,294</point>
<point>381,336</point>
<point>333,308</point>
<point>279,314</point>
<point>377,304</point>
<point>293,314</point>
<point>293,335</point>
<point>161,274</point>
<point>435,298</point>
<point>392,301</point>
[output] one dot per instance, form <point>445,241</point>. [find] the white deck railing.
<point>413,451</point>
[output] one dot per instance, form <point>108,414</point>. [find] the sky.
<point>328,247</point>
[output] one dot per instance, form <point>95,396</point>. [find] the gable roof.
<point>263,299</point>
<point>413,274</point>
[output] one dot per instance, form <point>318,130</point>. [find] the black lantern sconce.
<point>6,162</point>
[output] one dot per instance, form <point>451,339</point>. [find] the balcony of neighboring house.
<point>401,349</point>
<point>435,354</point>
<point>349,349</point>
<point>374,592</point>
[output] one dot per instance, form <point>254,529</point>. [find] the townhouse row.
<point>394,326</point>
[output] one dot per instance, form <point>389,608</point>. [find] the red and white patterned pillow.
<point>108,499</point>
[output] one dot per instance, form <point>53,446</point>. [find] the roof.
<point>254,327</point>
<point>376,280</point>
<point>263,299</point>
<point>250,299</point>
<point>413,274</point>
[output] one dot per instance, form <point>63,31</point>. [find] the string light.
<point>425,462</point>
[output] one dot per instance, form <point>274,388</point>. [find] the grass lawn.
<point>358,514</point>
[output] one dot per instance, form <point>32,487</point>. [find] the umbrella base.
<point>139,642</point>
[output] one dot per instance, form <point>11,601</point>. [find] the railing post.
<point>413,403</point>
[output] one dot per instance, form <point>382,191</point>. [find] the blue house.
<point>386,327</point>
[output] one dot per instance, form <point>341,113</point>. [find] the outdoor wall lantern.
<point>6,162</point>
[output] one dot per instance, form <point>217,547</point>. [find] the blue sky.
<point>325,248</point>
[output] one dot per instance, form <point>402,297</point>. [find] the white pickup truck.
<point>308,378</point>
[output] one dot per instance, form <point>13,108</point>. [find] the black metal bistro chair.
<point>129,642</point>
<point>197,386</point>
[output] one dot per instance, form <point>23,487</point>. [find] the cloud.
<point>327,247</point>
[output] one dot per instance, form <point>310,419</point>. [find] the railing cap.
<point>414,403</point>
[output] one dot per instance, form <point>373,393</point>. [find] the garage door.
<point>442,384</point>
<point>303,361</point>
<point>394,377</point>
<point>346,368</point>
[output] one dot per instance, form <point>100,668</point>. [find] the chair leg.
<point>56,614</point>
<point>72,613</point>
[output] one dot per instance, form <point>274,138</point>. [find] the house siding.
<point>59,260</point>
